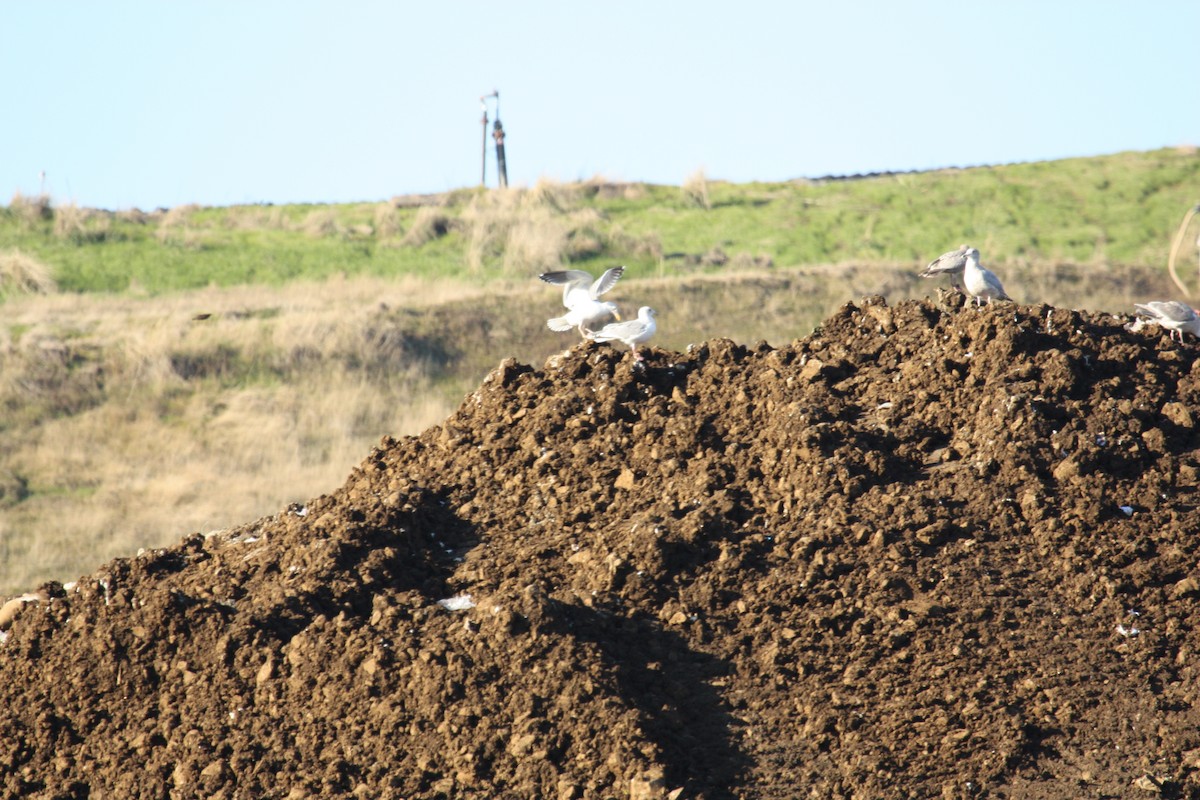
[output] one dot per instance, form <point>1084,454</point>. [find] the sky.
<point>158,103</point>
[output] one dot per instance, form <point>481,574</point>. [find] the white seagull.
<point>951,263</point>
<point>631,332</point>
<point>980,282</point>
<point>581,296</point>
<point>1173,315</point>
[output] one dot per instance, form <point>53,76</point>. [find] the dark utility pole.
<point>498,135</point>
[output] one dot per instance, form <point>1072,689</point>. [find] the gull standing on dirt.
<point>951,263</point>
<point>581,296</point>
<point>1173,315</point>
<point>980,282</point>
<point>631,332</point>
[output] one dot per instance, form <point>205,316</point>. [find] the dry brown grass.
<point>70,222</point>
<point>523,231</point>
<point>695,189</point>
<point>179,216</point>
<point>31,211</point>
<point>175,228</point>
<point>25,274</point>
<point>257,218</point>
<point>535,241</point>
<point>135,216</point>
<point>429,223</point>
<point>489,218</point>
<point>75,224</point>
<point>388,224</point>
<point>321,222</point>
<point>604,188</point>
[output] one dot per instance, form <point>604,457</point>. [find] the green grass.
<point>1116,209</point>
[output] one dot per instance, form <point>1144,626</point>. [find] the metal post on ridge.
<point>483,167</point>
<point>498,135</point>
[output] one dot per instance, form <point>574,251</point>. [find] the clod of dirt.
<point>928,551</point>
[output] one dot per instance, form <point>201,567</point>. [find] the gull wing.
<point>954,261</point>
<point>990,278</point>
<point>619,331</point>
<point>1171,310</point>
<point>575,282</point>
<point>606,281</point>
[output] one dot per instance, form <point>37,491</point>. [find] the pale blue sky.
<point>165,102</point>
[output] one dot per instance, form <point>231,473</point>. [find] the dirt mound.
<point>928,551</point>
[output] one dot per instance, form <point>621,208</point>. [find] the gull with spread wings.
<point>581,296</point>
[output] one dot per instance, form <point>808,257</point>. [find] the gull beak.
<point>617,314</point>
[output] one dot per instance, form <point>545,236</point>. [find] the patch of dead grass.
<point>429,223</point>
<point>23,273</point>
<point>321,222</point>
<point>695,189</point>
<point>80,225</point>
<point>524,231</point>
<point>31,211</point>
<point>175,228</point>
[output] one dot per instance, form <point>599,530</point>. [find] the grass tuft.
<point>429,224</point>
<point>81,225</point>
<point>322,222</point>
<point>30,211</point>
<point>695,189</point>
<point>24,274</point>
<point>176,228</point>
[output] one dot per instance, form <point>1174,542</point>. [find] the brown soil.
<point>889,560</point>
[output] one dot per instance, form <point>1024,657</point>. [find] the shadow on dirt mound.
<point>685,720</point>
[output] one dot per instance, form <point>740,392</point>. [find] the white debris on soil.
<point>460,602</point>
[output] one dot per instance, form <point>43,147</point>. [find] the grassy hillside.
<point>1118,209</point>
<point>190,369</point>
